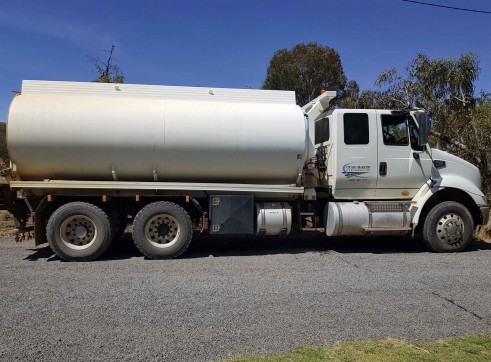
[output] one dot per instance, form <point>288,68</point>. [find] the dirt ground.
<point>7,227</point>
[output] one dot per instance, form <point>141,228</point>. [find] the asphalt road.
<point>236,296</point>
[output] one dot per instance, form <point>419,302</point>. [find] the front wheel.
<point>448,227</point>
<point>162,230</point>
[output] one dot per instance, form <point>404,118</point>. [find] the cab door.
<point>402,167</point>
<point>356,154</point>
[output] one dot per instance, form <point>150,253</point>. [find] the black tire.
<point>448,227</point>
<point>162,230</point>
<point>79,231</point>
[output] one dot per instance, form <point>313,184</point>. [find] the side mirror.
<point>423,129</point>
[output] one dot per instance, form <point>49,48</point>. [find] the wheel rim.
<point>162,230</point>
<point>450,228</point>
<point>78,232</point>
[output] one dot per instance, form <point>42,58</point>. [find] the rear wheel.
<point>448,227</point>
<point>79,231</point>
<point>162,230</point>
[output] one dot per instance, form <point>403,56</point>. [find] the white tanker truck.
<point>86,158</point>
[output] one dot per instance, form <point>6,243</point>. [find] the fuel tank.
<point>128,132</point>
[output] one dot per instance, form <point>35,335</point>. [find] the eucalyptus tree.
<point>446,88</point>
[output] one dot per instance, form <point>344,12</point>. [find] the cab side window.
<point>394,130</point>
<point>322,131</point>
<point>356,129</point>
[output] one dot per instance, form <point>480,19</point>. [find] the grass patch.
<point>471,348</point>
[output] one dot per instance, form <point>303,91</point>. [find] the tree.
<point>4,154</point>
<point>107,70</point>
<point>351,98</point>
<point>443,86</point>
<point>368,99</point>
<point>305,69</point>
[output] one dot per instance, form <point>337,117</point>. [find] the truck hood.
<point>456,166</point>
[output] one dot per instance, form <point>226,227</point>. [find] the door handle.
<point>382,169</point>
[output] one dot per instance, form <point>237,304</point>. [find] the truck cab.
<point>373,154</point>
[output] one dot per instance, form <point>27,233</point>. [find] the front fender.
<point>432,187</point>
<point>464,184</point>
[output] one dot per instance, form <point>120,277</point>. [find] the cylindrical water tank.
<point>87,131</point>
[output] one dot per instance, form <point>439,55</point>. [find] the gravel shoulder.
<point>235,296</point>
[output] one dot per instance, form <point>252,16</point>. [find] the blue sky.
<point>224,43</point>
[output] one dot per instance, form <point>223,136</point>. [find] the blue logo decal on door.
<point>355,172</point>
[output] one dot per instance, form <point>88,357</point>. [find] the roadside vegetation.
<point>485,233</point>
<point>3,143</point>
<point>471,348</point>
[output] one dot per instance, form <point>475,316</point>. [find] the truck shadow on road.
<point>203,247</point>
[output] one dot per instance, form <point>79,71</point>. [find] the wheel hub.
<point>162,230</point>
<point>450,228</point>
<point>78,232</point>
